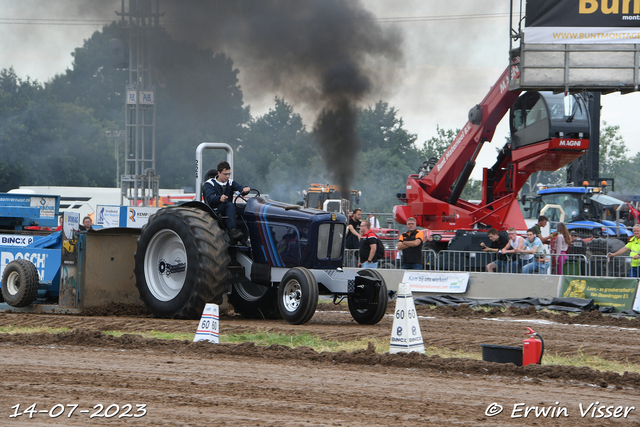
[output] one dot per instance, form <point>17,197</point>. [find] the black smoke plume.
<point>322,55</point>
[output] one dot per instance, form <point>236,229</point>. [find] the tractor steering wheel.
<point>242,196</point>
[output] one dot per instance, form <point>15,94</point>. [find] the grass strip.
<point>265,338</point>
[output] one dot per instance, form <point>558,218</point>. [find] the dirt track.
<point>183,383</point>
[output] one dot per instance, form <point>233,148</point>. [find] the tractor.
<point>287,257</point>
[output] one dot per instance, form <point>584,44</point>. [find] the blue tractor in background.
<point>587,211</point>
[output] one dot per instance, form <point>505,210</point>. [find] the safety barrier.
<point>471,261</point>
<point>601,265</point>
<point>478,262</point>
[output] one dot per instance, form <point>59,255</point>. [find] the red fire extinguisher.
<point>532,348</point>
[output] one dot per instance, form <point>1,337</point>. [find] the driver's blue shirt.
<point>213,190</point>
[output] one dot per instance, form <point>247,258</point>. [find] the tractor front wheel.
<point>298,296</point>
<point>377,308</point>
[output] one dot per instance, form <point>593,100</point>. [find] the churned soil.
<point>185,383</point>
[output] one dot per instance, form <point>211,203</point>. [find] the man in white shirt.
<point>515,245</point>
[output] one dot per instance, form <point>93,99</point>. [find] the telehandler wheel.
<point>298,296</point>
<point>254,301</point>
<point>181,263</point>
<point>372,315</point>
<point>20,282</point>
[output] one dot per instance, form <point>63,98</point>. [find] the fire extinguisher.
<point>532,348</point>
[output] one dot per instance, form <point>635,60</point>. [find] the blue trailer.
<point>30,254</point>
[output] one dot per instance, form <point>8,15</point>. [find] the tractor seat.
<point>211,173</point>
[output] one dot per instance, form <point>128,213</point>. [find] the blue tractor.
<point>287,257</point>
<point>587,211</point>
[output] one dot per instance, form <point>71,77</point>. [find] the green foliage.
<point>196,92</point>
<point>613,150</point>
<point>276,154</point>
<point>54,133</point>
<point>436,145</point>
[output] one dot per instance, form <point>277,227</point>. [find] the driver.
<point>218,193</point>
<point>570,210</point>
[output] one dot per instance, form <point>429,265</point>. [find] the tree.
<point>435,147</point>
<point>615,161</point>
<point>388,157</point>
<point>197,96</point>
<point>276,152</point>
<point>45,142</point>
<point>613,150</point>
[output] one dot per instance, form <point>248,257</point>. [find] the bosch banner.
<point>582,21</point>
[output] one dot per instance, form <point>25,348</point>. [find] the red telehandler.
<point>547,132</point>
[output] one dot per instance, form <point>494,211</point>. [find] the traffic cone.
<point>405,336</point>
<point>209,326</point>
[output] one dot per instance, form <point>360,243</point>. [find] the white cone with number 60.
<point>405,336</point>
<point>208,328</point>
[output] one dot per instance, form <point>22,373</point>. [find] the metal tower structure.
<point>139,183</point>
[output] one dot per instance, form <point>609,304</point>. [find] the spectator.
<point>353,229</point>
<point>533,248</point>
<point>498,242</point>
<point>411,246</point>
<point>634,247</point>
<point>374,221</point>
<point>515,245</point>
<point>563,240</point>
<point>60,221</point>
<point>537,229</point>
<point>368,246</point>
<point>87,224</point>
<point>219,193</point>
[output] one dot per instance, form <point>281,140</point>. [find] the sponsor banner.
<point>47,206</point>
<point>16,240</point>
<point>582,21</point>
<point>47,261</point>
<point>70,230</point>
<point>448,283</point>
<point>69,266</point>
<point>618,292</point>
<point>108,216</point>
<point>577,35</point>
<point>582,13</point>
<point>136,217</point>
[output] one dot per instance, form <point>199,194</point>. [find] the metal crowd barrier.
<point>470,261</point>
<point>601,265</point>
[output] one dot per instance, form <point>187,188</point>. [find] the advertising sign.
<point>582,21</point>
<point>108,216</point>
<point>618,292</point>
<point>138,216</point>
<point>69,266</point>
<point>446,283</point>
<point>47,206</point>
<point>47,261</point>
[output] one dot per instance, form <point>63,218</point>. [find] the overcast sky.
<point>454,52</point>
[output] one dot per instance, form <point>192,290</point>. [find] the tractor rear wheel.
<point>298,296</point>
<point>377,308</point>
<point>20,282</point>
<point>181,263</point>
